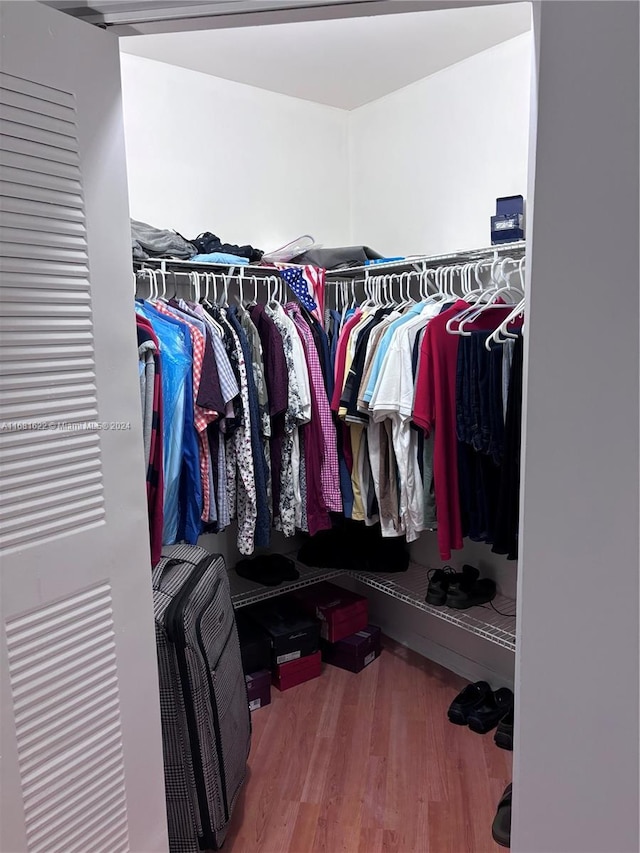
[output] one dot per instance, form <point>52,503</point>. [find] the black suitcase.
<point>206,723</point>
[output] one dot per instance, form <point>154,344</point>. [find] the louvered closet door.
<point>81,746</point>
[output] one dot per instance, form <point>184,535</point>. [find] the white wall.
<point>428,161</point>
<point>252,166</point>
<point>577,714</point>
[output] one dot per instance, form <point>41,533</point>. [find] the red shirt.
<point>435,408</point>
<point>341,358</point>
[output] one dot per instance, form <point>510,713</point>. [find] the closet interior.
<point>404,173</point>
<point>359,426</point>
<point>270,312</point>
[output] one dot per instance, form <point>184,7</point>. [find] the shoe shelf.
<point>245,592</point>
<point>411,588</point>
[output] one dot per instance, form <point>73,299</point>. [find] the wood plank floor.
<point>369,763</point>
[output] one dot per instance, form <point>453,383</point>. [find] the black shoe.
<point>468,590</point>
<point>466,701</point>
<point>504,733</point>
<point>441,579</point>
<point>488,714</point>
<point>501,827</point>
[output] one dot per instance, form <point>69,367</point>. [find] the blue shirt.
<point>383,346</point>
<point>183,498</point>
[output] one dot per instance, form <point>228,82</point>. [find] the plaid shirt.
<point>329,470</point>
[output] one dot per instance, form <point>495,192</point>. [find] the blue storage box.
<point>508,223</point>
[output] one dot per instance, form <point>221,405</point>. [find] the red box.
<point>354,652</point>
<point>286,675</point>
<point>341,612</point>
<point>258,689</point>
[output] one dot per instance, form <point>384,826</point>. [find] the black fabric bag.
<point>206,724</point>
<point>352,546</point>
<point>340,258</point>
<point>208,243</point>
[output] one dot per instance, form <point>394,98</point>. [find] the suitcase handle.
<point>162,568</point>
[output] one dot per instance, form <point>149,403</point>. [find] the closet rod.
<point>172,265</point>
<point>420,262</point>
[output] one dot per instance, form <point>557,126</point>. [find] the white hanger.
<point>503,327</point>
<point>492,294</point>
<point>162,273</point>
<point>195,284</point>
<point>153,281</point>
<point>473,311</point>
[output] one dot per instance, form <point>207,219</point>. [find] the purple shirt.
<point>320,440</point>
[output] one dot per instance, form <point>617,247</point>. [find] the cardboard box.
<point>258,689</point>
<point>293,633</point>
<point>255,644</point>
<point>341,612</point>
<point>286,675</point>
<point>356,651</point>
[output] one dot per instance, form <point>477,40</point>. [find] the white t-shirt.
<point>393,399</point>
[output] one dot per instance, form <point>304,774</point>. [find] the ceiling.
<point>143,17</point>
<point>341,63</point>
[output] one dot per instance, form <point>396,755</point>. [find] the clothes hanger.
<point>153,281</point>
<point>195,284</point>
<point>387,291</point>
<point>494,294</point>
<point>407,300</point>
<point>477,297</point>
<point>503,330</point>
<point>204,297</point>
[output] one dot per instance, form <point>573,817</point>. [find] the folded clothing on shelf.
<point>206,243</point>
<point>268,569</point>
<point>149,241</point>
<point>219,258</point>
<point>342,257</point>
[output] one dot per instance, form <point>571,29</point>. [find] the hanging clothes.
<point>283,416</point>
<point>320,437</point>
<point>152,414</point>
<point>507,521</point>
<point>182,484</point>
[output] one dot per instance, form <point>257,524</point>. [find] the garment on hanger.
<point>435,408</point>
<point>182,484</point>
<point>383,413</point>
<point>152,414</point>
<point>252,381</point>
<point>507,521</point>
<point>320,436</point>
